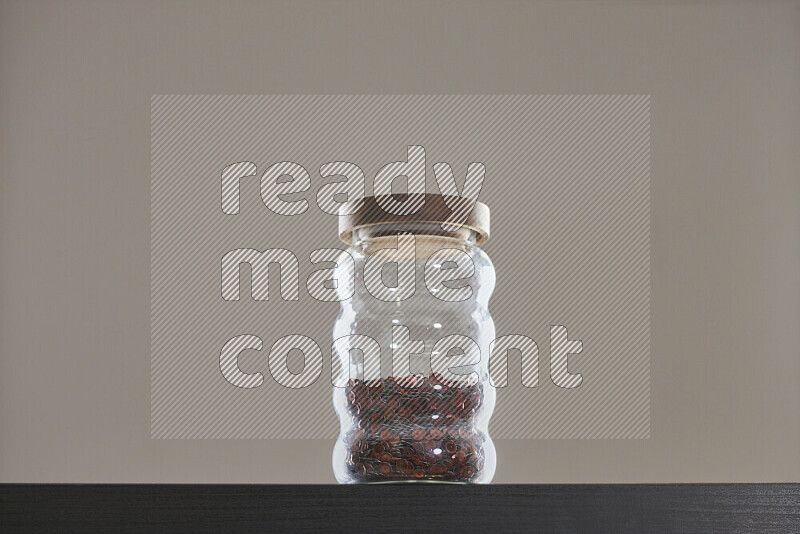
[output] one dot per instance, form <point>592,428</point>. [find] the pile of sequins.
<point>414,430</point>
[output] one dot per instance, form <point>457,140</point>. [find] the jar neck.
<point>430,231</point>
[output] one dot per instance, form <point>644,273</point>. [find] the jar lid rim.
<point>428,208</point>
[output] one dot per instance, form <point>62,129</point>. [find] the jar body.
<point>412,421</point>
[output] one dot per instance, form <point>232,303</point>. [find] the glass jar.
<point>414,398</point>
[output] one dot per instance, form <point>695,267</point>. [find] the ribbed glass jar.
<point>406,421</point>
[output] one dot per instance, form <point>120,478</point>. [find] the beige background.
<point>75,85</point>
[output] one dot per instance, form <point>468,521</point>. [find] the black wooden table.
<point>681,508</point>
